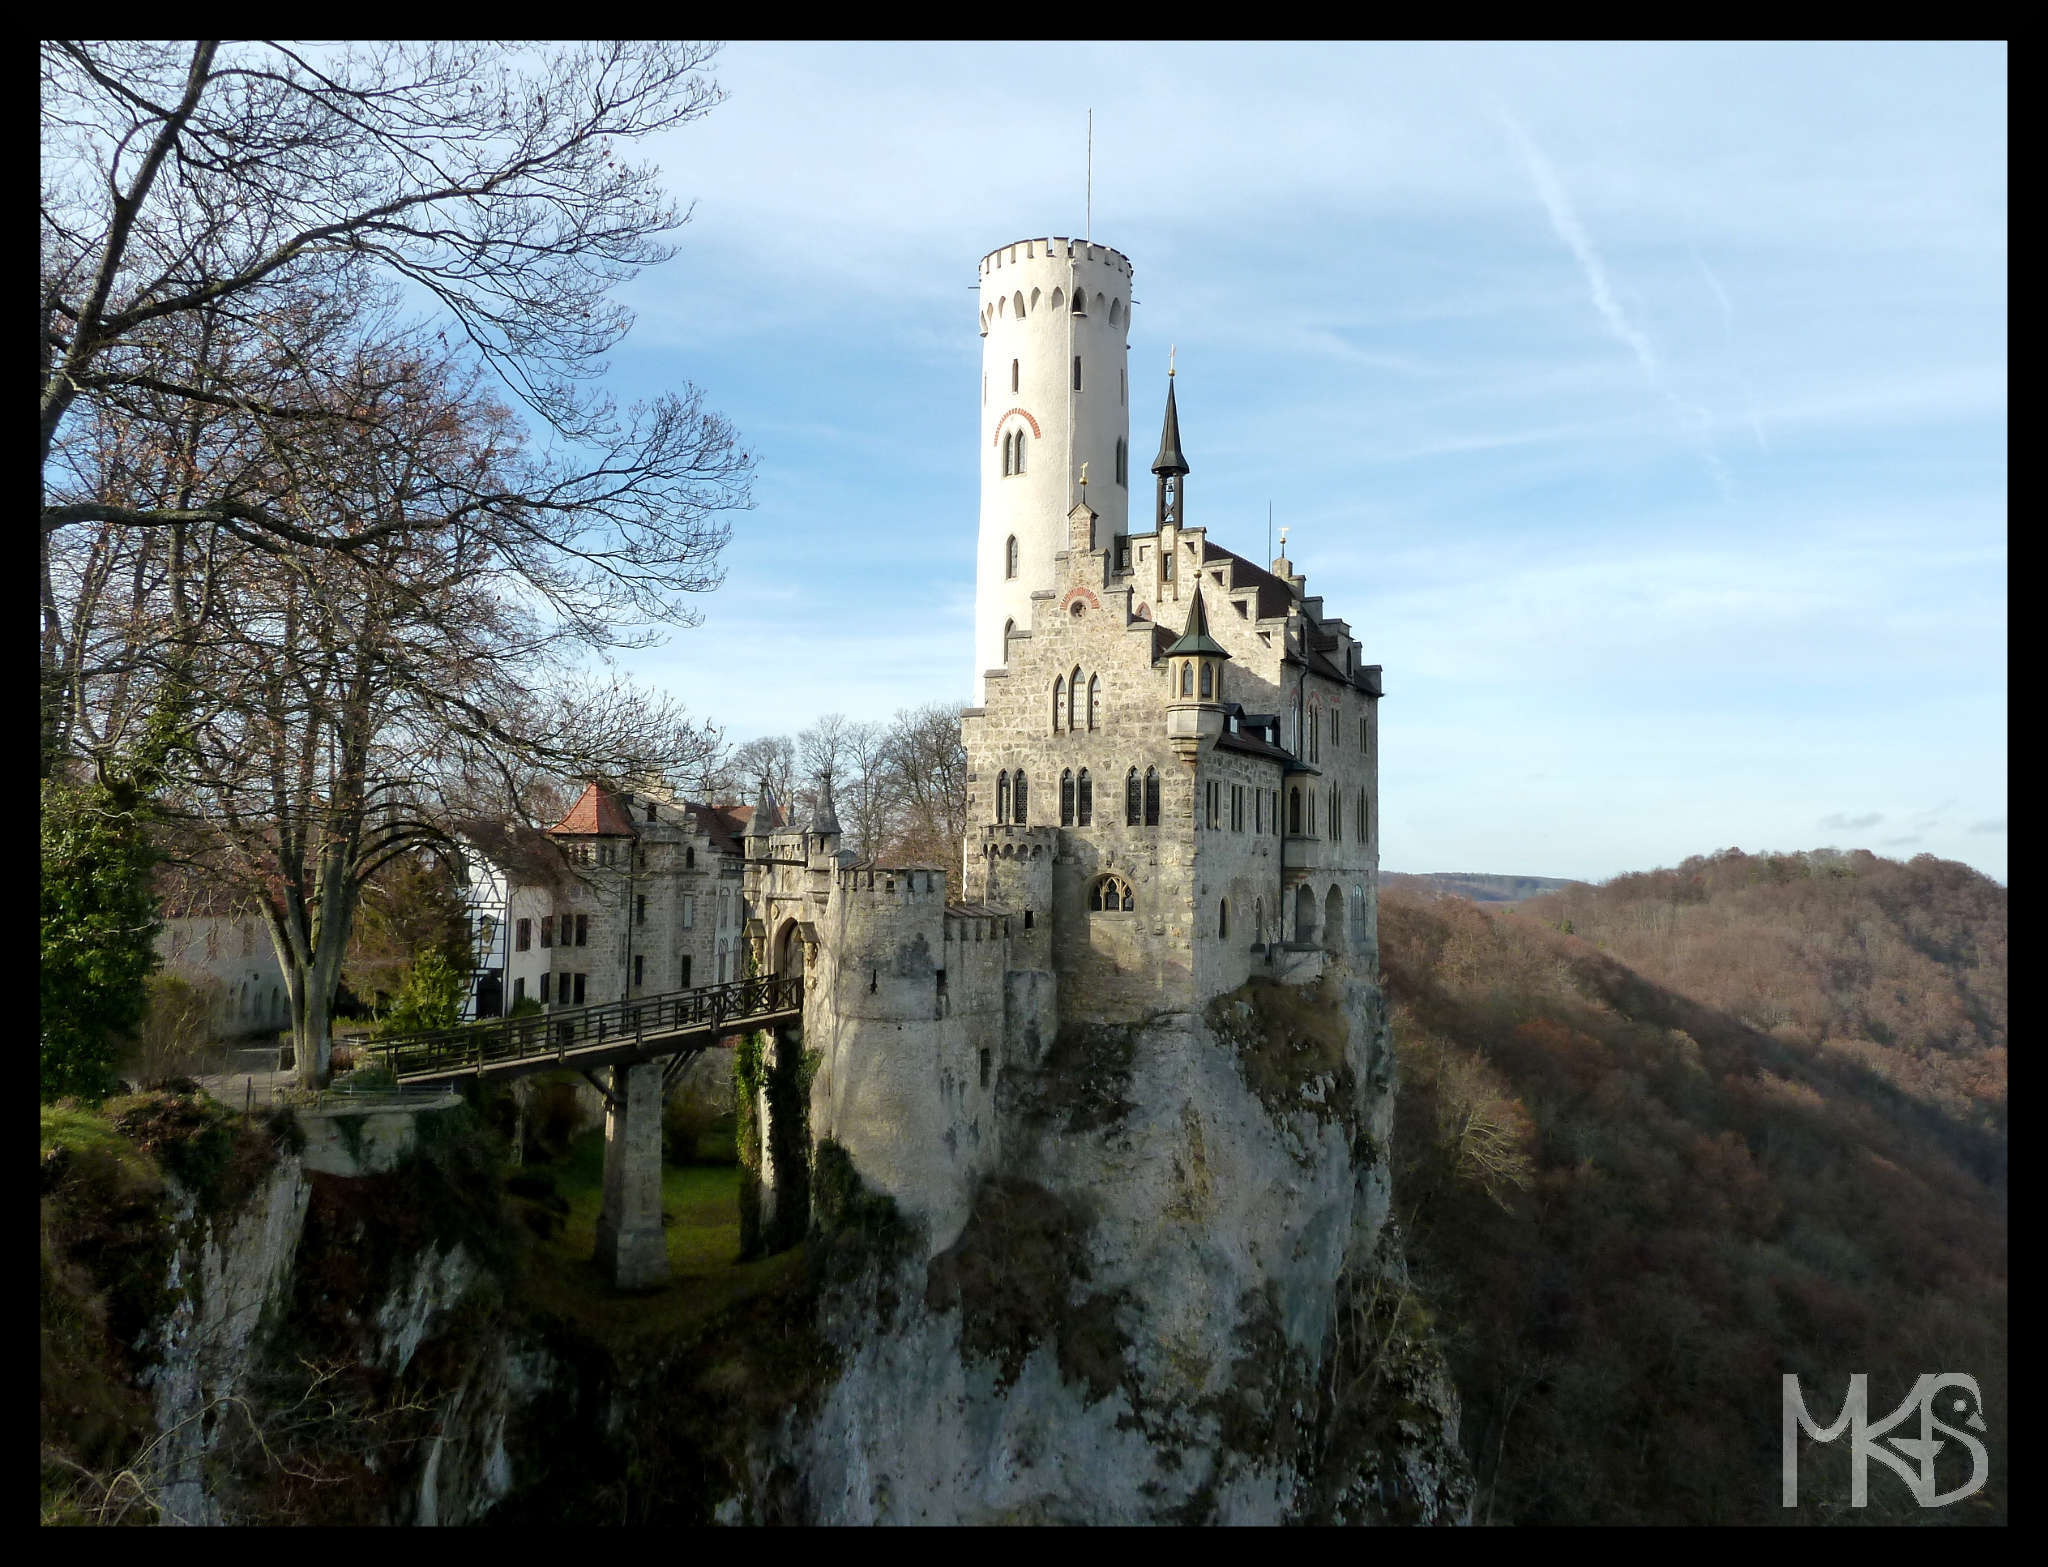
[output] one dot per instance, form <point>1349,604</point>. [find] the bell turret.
<point>1170,465</point>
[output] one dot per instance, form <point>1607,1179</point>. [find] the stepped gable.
<point>1275,598</point>
<point>599,813</point>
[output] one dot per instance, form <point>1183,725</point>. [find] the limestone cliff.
<point>1181,1299</point>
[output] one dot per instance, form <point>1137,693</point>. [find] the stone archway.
<point>1304,915</point>
<point>789,951</point>
<point>1333,920</point>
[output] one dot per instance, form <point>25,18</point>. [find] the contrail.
<point>1713,282</point>
<point>1550,190</point>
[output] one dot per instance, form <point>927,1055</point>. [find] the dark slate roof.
<point>522,852</point>
<point>1196,638</point>
<point>1170,459</point>
<point>825,819</point>
<point>1317,664</point>
<point>1252,745</point>
<point>724,825</point>
<point>597,812</point>
<point>1275,598</point>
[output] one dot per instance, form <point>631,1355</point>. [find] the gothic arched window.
<point>1084,801</point>
<point>1294,811</point>
<point>1110,895</point>
<point>1187,678</point>
<point>1067,797</point>
<point>1133,799</point>
<point>1094,695</point>
<point>1073,697</point>
<point>1002,797</point>
<point>1010,562</point>
<point>1019,800</point>
<point>1151,797</point>
<point>1009,631</point>
<point>1020,452</point>
<point>1059,703</point>
<point>1208,683</point>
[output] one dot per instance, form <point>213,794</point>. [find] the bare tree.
<point>769,759</point>
<point>927,772</point>
<point>863,790</point>
<point>346,708</point>
<point>215,216</point>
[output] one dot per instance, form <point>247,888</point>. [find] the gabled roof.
<point>597,813</point>
<point>724,825</point>
<point>522,852</point>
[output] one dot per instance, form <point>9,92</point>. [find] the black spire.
<point>1169,459</point>
<point>1170,465</point>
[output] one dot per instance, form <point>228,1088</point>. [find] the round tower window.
<point>1076,610</point>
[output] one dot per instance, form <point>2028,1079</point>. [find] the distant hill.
<point>1661,1141</point>
<point>1479,886</point>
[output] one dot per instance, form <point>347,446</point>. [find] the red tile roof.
<point>597,812</point>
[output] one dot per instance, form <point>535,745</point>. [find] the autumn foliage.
<point>1748,1119</point>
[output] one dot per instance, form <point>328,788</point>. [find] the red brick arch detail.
<point>1080,593</point>
<point>1017,413</point>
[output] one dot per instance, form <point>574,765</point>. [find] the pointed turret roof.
<point>825,819</point>
<point>597,812</point>
<point>1170,459</point>
<point>1196,638</point>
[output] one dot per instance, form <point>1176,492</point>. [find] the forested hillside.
<point>1664,1140</point>
<point>1479,886</point>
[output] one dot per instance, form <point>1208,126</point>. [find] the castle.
<point>1172,773</point>
<point>1172,787</point>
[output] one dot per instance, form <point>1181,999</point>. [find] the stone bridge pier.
<point>631,1247</point>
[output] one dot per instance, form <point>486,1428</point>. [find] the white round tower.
<point>1055,393</point>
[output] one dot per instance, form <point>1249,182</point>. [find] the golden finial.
<point>1084,475</point>
<point>1170,352</point>
<point>1283,543</point>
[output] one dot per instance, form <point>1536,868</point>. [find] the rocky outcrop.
<point>1180,1301</point>
<point>324,1347</point>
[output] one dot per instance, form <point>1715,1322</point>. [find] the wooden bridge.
<point>622,1034</point>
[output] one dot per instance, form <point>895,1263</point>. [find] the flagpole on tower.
<point>1088,224</point>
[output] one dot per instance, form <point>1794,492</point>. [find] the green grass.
<point>701,1205</point>
<point>70,1131</point>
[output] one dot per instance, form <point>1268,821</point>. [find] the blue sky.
<point>1642,407</point>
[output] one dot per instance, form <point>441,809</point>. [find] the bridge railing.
<point>572,1030</point>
